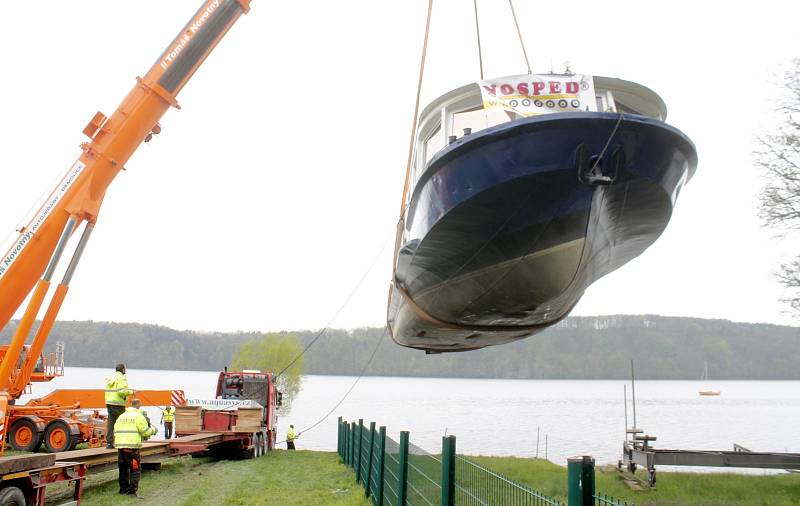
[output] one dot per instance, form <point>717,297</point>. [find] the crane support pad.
<point>18,463</point>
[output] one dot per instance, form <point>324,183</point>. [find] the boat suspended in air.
<point>522,192</point>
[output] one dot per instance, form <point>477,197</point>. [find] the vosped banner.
<point>532,94</point>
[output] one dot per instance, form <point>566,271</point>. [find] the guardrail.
<point>398,473</point>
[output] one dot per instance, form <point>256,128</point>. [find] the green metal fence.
<point>477,485</point>
<point>398,473</point>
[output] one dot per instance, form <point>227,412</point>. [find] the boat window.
<point>479,119</point>
<point>434,143</point>
<point>605,101</point>
<point>601,103</point>
<point>624,108</point>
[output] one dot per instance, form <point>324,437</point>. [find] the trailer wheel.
<point>23,436</point>
<point>12,496</point>
<point>57,437</point>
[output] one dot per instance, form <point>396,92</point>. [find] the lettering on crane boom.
<point>28,232</point>
<point>192,30</point>
<point>223,404</point>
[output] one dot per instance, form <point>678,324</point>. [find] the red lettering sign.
<point>573,87</point>
<point>537,88</point>
<point>555,87</point>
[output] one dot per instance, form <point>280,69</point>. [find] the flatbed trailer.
<point>24,478</point>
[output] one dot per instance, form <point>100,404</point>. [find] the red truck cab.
<point>257,386</point>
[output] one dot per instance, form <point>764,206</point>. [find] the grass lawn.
<point>317,478</point>
<point>673,489</point>
<point>280,478</point>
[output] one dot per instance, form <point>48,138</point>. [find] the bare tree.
<point>778,156</point>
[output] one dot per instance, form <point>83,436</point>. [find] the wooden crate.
<point>248,419</point>
<point>188,418</point>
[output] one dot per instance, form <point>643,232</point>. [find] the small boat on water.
<point>707,392</point>
<point>523,191</point>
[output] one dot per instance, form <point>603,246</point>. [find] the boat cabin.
<point>462,111</point>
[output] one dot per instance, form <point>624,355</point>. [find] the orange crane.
<point>27,268</point>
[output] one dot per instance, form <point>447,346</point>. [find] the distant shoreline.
<point>577,348</point>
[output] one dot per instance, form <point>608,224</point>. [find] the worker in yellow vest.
<point>117,393</point>
<point>290,437</point>
<point>130,430</point>
<point>167,420</point>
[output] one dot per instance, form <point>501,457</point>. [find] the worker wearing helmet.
<point>168,419</point>
<point>290,437</point>
<point>117,393</point>
<point>130,430</point>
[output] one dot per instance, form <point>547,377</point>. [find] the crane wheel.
<point>24,436</point>
<point>58,438</point>
<point>12,496</point>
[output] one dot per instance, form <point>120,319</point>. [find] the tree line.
<point>576,348</point>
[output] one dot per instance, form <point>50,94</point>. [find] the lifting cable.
<point>478,31</point>
<point>401,221</point>
<point>349,390</point>
<point>519,33</point>
<point>341,308</point>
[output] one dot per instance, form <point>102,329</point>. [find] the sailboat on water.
<point>707,391</point>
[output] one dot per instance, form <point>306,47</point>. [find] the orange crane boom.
<point>28,266</point>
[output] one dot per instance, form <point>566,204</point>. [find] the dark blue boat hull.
<point>505,231</point>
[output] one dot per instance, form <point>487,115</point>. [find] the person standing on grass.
<point>131,429</point>
<point>290,437</point>
<point>167,419</point>
<point>116,394</point>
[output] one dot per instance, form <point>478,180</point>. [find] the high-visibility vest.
<point>131,428</point>
<point>117,390</point>
<point>291,436</point>
<point>169,415</point>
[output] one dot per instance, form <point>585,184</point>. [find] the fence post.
<point>350,443</point>
<point>448,471</point>
<point>353,431</point>
<point>339,439</point>
<point>368,477</point>
<point>381,456</point>
<point>580,481</point>
<point>402,474</point>
<point>358,450</point>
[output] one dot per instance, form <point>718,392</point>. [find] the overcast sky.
<point>266,198</point>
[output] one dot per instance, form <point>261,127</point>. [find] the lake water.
<point>501,417</point>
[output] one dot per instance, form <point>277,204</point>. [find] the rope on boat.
<point>608,142</point>
<point>346,394</point>
<point>478,31</point>
<point>401,222</point>
<point>519,32</point>
<point>344,304</point>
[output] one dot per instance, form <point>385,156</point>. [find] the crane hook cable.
<point>353,386</point>
<point>519,33</point>
<point>478,31</point>
<point>400,223</point>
